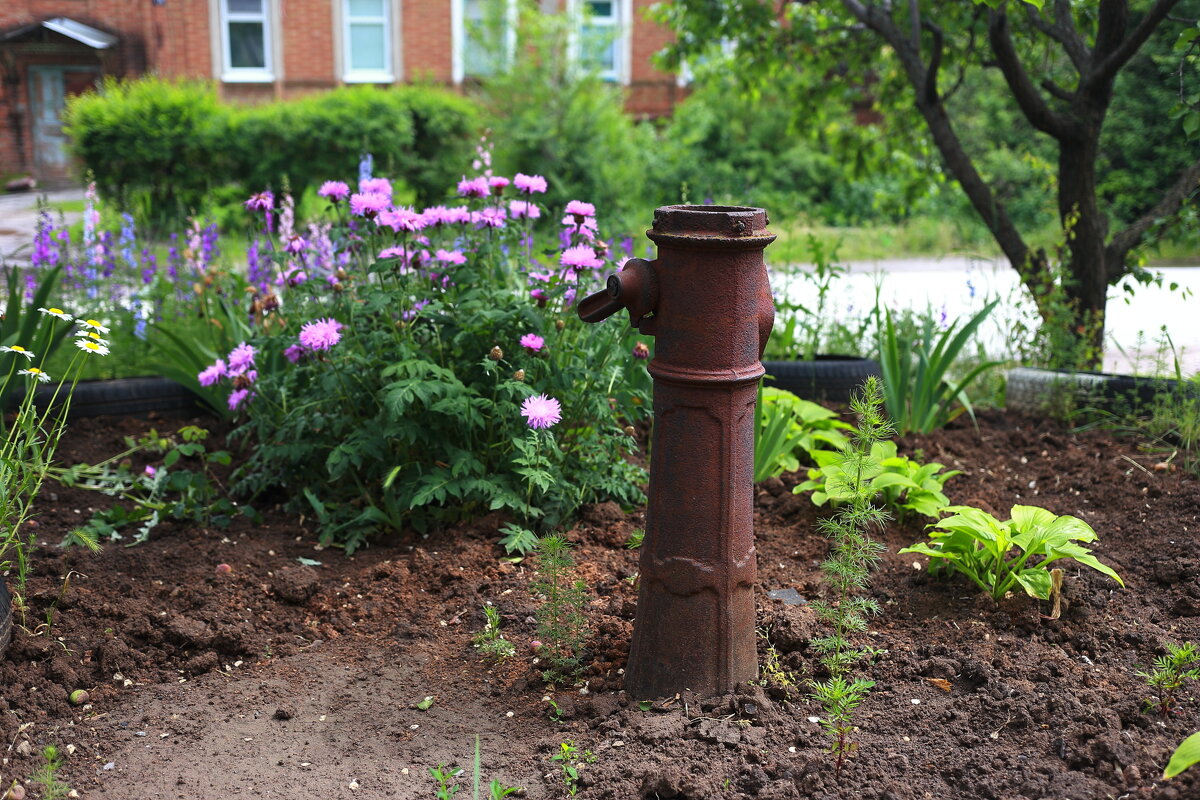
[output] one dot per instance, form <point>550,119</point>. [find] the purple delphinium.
<point>334,190</point>
<point>321,334</point>
<point>528,184</point>
<point>541,411</point>
<point>474,187</point>
<point>108,261</point>
<point>149,265</point>
<point>128,240</point>
<point>366,166</point>
<point>257,268</point>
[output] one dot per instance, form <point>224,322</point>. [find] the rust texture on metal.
<point>706,301</point>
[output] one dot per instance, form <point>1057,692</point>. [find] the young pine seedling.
<point>1180,663</point>
<point>490,641</point>
<point>847,571</point>
<point>561,625</point>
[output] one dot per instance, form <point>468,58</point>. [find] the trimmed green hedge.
<point>164,146</point>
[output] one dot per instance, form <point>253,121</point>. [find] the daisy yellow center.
<point>18,348</point>
<point>57,311</point>
<point>34,371</point>
<point>91,345</point>
<point>94,335</point>
<point>91,323</point>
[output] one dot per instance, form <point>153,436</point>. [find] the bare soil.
<point>283,680</point>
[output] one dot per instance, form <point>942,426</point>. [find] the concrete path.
<point>18,220</point>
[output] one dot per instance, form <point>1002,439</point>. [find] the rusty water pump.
<point>707,302</point>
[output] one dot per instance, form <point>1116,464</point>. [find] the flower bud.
<point>629,431</point>
<point>559,324</point>
<point>641,351</point>
<point>495,354</point>
<point>519,375</point>
<point>338,288</point>
<point>341,274</point>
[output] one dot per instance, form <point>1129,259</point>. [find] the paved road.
<point>18,219</point>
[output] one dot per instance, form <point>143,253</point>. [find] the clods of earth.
<point>276,678</point>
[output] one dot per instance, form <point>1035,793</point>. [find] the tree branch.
<point>1064,34</point>
<point>1054,89</point>
<point>1172,200</point>
<point>1115,52</point>
<point>935,62</point>
<point>1032,105</point>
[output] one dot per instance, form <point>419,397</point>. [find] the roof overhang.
<point>84,34</point>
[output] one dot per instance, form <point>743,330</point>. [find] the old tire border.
<point>125,396</point>
<point>827,378</point>
<point>1032,390</point>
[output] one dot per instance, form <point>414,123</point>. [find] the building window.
<point>366,36</point>
<point>485,37</point>
<point>603,41</point>
<point>246,40</point>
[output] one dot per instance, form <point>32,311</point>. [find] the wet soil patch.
<point>288,679</point>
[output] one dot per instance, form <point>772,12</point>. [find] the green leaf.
<point>1035,581</point>
<point>1187,754</point>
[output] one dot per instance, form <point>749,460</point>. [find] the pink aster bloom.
<point>529,183</point>
<point>210,375</point>
<point>435,215</point>
<point>401,219</point>
<point>334,190</point>
<point>519,209</point>
<point>150,471</point>
<point>376,186</point>
<point>241,359</point>
<point>296,244</point>
<point>531,341</point>
<point>321,334</point>
<point>456,215</point>
<point>497,184</point>
<point>293,353</point>
<point>580,256</point>
<point>578,208</point>
<point>489,217</point>
<point>582,226</point>
<point>451,256</point>
<point>263,201</point>
<point>541,411</point>
<point>474,187</point>
<point>237,397</point>
<point>368,204</point>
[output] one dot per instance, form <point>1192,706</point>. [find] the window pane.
<point>245,6</point>
<point>473,9</point>
<point>598,50</point>
<point>367,47</point>
<point>366,8</point>
<point>601,9</point>
<point>246,49</point>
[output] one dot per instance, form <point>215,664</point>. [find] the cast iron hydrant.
<point>707,302</point>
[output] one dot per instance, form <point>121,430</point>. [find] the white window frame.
<point>621,22</point>
<point>232,74</point>
<point>350,75</point>
<point>458,28</point>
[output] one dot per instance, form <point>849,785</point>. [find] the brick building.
<point>265,49</point>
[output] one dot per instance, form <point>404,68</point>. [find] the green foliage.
<point>569,759</point>
<point>1186,755</point>
<point>21,323</point>
<point>853,554</point>
<point>490,641</point>
<point>1182,662</point>
<point>517,539</point>
<point>918,391</point>
<point>998,556</point>
<point>900,482</point>
<point>839,698</point>
<point>786,425</point>
<point>143,140</point>
<point>562,627</point>
<point>46,775</point>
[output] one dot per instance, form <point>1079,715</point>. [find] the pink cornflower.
<point>241,359</point>
<point>376,186</point>
<point>293,353</point>
<point>520,208</point>
<point>368,204</point>
<point>578,208</point>
<point>451,257</point>
<point>457,214</point>
<point>237,397</point>
<point>474,187</point>
<point>149,471</point>
<point>580,256</point>
<point>489,217</point>
<point>640,350</point>
<point>497,184</point>
<point>541,411</point>
<point>263,201</point>
<point>334,190</point>
<point>401,219</point>
<point>435,215</point>
<point>296,244</point>
<point>210,375</point>
<point>581,226</point>
<point>529,183</point>
<point>321,334</point>
<point>533,342</point>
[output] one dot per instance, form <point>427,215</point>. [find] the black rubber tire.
<point>5,617</point>
<point>829,379</point>
<point>125,396</point>
<point>1049,391</point>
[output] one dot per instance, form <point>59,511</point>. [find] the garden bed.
<point>283,680</point>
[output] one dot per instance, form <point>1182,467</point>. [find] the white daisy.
<point>95,337</point>
<point>56,312</point>
<point>34,372</point>
<point>94,324</point>
<point>16,348</point>
<point>87,345</point>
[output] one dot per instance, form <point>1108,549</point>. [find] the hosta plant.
<point>786,425</point>
<point>1000,556</point>
<point>900,482</point>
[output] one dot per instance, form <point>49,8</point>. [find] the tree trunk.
<point>1085,229</point>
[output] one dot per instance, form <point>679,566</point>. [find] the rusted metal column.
<point>707,302</point>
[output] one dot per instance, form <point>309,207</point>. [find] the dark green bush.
<point>162,147</point>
